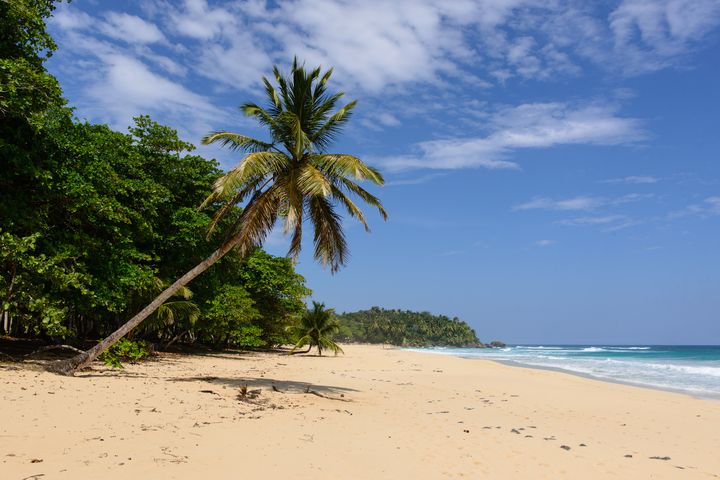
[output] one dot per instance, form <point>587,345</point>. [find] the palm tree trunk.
<point>82,360</point>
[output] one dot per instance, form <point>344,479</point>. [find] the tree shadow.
<point>284,386</point>
<point>109,374</point>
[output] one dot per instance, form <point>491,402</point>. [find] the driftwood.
<point>54,347</point>
<point>313,392</point>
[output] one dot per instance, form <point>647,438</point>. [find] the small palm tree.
<point>315,329</point>
<point>172,320</point>
<point>290,176</point>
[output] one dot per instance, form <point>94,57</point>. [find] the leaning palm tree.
<point>290,177</point>
<point>315,329</point>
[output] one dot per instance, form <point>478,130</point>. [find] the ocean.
<point>694,370</point>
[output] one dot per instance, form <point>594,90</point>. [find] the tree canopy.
<point>405,328</point>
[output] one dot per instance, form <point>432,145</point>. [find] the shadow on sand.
<point>285,386</point>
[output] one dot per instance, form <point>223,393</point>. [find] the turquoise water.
<point>690,369</point>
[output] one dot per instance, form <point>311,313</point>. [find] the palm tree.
<point>289,176</point>
<point>172,320</point>
<point>316,329</point>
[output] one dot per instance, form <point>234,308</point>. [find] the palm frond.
<point>228,204</point>
<point>352,209</point>
<point>252,169</point>
<point>327,132</point>
<point>329,239</point>
<point>368,197</point>
<point>236,141</point>
<point>341,165</point>
<point>311,181</point>
<point>257,219</point>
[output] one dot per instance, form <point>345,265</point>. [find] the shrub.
<point>125,351</point>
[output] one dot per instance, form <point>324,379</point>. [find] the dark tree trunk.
<point>82,360</point>
<point>304,351</point>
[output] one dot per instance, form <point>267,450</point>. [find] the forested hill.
<point>404,327</point>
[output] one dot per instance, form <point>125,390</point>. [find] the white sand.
<point>401,415</point>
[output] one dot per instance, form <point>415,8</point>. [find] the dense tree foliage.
<point>94,222</point>
<point>115,217</point>
<point>403,327</point>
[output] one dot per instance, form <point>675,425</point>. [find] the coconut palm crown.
<point>316,328</point>
<point>292,176</point>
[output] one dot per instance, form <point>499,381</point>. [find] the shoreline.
<point>376,412</point>
<point>616,381</point>
<point>589,376</point>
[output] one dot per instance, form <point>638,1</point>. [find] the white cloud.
<point>634,180</point>
<point>394,51</point>
<point>650,34</point>
<point>413,181</point>
<point>119,26</point>
<point>545,243</point>
<point>68,18</point>
<point>378,46</point>
<point>450,253</point>
<point>579,203</point>
<point>534,125</point>
<point>609,223</point>
<point>594,220</point>
<point>201,22</point>
<point>576,203</point>
<point>130,29</point>
<point>388,119</point>
<point>121,86</point>
<point>710,207</point>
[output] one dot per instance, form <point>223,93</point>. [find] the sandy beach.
<point>373,413</point>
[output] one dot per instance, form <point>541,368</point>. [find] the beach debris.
<point>204,378</point>
<point>275,389</point>
<point>466,431</point>
<point>313,392</point>
<point>528,436</point>
<point>209,391</point>
<point>36,460</point>
<point>660,458</point>
<point>565,447</point>
<point>628,456</point>
<point>549,438</point>
<point>34,477</point>
<point>245,394</point>
<point>583,445</point>
<point>514,430</point>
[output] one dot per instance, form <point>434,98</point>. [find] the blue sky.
<point>552,167</point>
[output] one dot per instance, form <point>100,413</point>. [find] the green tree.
<point>277,290</point>
<point>31,288</point>
<point>404,327</point>
<point>316,329</point>
<point>27,90</point>
<point>228,319</point>
<point>289,176</point>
